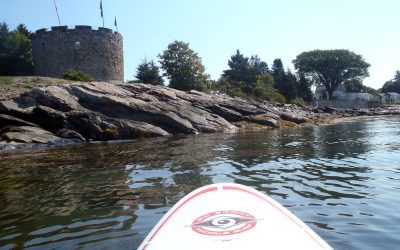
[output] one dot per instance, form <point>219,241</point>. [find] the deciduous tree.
<point>331,67</point>
<point>392,85</point>
<point>183,67</point>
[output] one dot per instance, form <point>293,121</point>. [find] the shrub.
<point>76,75</point>
<point>299,102</point>
<point>275,97</point>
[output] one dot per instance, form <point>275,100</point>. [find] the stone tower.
<point>98,53</point>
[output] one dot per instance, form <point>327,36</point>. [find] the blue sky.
<point>215,29</point>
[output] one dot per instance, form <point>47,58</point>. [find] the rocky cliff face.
<point>103,111</point>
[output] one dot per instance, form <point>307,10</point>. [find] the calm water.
<point>342,180</point>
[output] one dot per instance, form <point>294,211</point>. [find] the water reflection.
<point>342,180</point>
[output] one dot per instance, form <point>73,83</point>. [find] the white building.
<point>341,94</point>
<point>389,97</point>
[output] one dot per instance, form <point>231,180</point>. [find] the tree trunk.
<point>330,88</point>
<point>330,94</point>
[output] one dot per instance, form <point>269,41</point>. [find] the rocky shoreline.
<point>98,111</point>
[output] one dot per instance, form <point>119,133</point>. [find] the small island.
<point>57,111</point>
<point>78,93</point>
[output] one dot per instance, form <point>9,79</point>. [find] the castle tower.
<point>98,53</point>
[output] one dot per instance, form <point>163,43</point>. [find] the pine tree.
<point>148,72</point>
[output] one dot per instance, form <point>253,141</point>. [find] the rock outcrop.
<point>103,111</point>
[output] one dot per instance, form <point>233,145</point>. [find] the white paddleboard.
<point>230,216</point>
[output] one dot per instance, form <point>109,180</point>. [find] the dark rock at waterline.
<point>69,134</point>
<point>294,118</point>
<point>27,134</point>
<point>263,119</point>
<point>6,120</point>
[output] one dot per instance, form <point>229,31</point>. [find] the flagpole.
<point>58,17</point>
<point>115,23</point>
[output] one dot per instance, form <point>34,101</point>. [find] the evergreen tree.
<point>258,66</point>
<point>277,69</point>
<point>285,83</point>
<point>15,51</point>
<point>289,86</point>
<point>397,76</point>
<point>148,72</point>
<point>23,30</point>
<point>304,89</point>
<point>239,69</point>
<point>243,72</point>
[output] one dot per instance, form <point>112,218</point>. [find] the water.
<point>342,180</point>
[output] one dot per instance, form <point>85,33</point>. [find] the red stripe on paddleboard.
<point>276,207</point>
<point>176,210</point>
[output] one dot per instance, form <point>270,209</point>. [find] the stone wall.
<point>98,53</point>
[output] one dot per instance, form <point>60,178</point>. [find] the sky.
<point>215,29</point>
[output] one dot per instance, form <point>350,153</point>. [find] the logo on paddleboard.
<point>221,223</point>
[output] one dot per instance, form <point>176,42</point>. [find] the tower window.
<point>77,45</point>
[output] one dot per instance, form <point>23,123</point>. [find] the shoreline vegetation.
<point>41,110</point>
<point>249,95</point>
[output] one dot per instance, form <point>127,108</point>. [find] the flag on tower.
<point>58,16</point>
<point>101,8</point>
<point>115,23</point>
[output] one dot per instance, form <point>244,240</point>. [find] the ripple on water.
<point>343,180</point>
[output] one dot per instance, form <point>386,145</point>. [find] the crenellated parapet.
<point>97,52</point>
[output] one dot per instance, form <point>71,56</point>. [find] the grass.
<point>4,80</point>
<point>36,80</point>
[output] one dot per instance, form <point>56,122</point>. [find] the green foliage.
<point>331,67</point>
<point>183,67</point>
<point>238,68</point>
<point>148,72</point>
<point>15,51</point>
<point>370,90</point>
<point>244,69</point>
<point>4,80</point>
<point>242,74</point>
<point>277,69</point>
<point>76,75</point>
<point>299,102</point>
<point>392,85</point>
<point>304,89</point>
<point>264,89</point>
<point>356,86</point>
<point>252,78</point>
<point>229,87</point>
<point>285,83</point>
<point>397,76</point>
